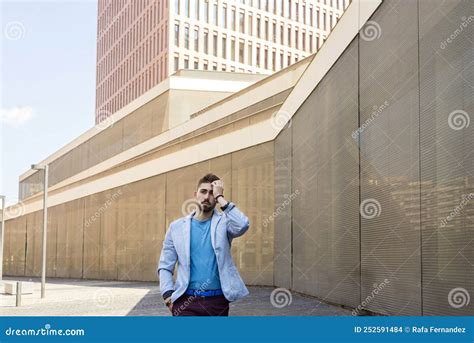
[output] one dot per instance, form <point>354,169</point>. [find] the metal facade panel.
<point>282,219</point>
<point>325,181</point>
<point>252,191</point>
<point>390,191</point>
<point>447,161</point>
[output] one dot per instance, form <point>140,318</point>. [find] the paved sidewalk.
<point>67,297</point>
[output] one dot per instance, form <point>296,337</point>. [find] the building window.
<point>289,37</point>
<point>176,34</point>
<point>257,56</point>
<point>214,44</point>
<point>249,24</point>
<point>206,11</point>
<point>241,22</point>
<point>258,28</point>
<point>224,17</point>
<point>224,48</point>
<point>232,49</point>
<point>282,34</point>
<point>196,9</point>
<point>196,64</point>
<point>296,38</point>
<point>241,51</point>
<point>176,63</point>
<point>266,30</point>
<point>196,39</point>
<point>233,19</point>
<point>206,42</point>
<point>249,54</point>
<point>274,29</point>
<point>186,37</point>
<point>176,6</point>
<point>214,14</point>
<point>266,58</point>
<point>186,8</point>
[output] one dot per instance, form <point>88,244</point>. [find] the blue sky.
<point>48,58</point>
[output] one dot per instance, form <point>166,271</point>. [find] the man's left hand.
<point>217,188</point>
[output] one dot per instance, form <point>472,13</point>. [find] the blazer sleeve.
<point>237,222</point>
<point>166,265</point>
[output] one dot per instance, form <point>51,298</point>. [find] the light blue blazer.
<point>176,248</point>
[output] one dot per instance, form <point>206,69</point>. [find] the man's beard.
<point>206,207</point>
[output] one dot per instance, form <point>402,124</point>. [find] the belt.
<point>210,293</point>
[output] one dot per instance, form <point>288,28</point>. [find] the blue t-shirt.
<point>204,272</point>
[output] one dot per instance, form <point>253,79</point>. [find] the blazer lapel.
<point>216,217</point>
<point>187,237</point>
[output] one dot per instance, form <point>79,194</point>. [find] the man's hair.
<point>208,178</point>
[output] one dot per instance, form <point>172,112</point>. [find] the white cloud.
<point>16,116</point>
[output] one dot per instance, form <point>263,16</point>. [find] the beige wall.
<point>117,234</point>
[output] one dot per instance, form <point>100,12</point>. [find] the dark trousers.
<point>190,305</point>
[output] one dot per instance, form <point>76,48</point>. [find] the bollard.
<point>18,293</point>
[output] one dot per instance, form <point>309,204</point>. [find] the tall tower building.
<point>142,42</point>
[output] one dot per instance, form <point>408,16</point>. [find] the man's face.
<point>205,197</point>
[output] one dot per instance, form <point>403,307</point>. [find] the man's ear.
<point>195,193</point>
